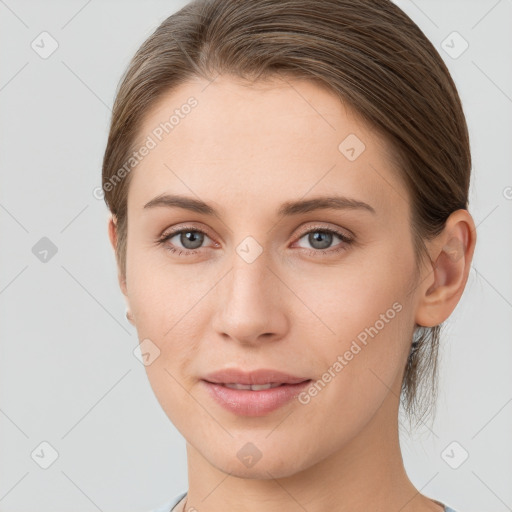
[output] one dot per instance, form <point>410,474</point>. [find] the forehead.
<point>279,138</point>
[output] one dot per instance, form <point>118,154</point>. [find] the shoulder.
<point>448,509</point>
<point>169,505</point>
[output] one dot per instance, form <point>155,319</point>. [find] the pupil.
<point>191,239</point>
<point>322,237</point>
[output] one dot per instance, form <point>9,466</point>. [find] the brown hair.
<point>369,53</point>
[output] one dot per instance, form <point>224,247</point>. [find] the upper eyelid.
<point>340,231</point>
<point>343,233</point>
<point>318,226</point>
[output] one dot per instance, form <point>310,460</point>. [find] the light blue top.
<point>169,506</point>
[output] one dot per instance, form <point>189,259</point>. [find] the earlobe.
<point>452,254</point>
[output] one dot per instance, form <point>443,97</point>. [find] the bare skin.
<point>245,150</point>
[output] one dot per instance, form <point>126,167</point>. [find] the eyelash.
<point>346,241</point>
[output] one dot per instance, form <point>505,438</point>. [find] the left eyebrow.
<point>323,203</point>
<point>187,203</point>
<point>287,209</point>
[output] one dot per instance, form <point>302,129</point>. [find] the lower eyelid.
<point>345,239</point>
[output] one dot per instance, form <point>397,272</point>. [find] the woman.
<point>288,182</point>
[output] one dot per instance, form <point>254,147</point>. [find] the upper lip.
<point>259,376</point>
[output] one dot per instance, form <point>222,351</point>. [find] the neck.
<point>365,474</point>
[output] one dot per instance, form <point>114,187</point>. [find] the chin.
<point>263,470</point>
<point>259,459</point>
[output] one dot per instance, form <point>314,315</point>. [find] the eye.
<point>321,239</point>
<point>189,238</point>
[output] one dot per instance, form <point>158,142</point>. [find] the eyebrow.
<point>288,208</point>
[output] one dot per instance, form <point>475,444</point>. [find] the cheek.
<point>157,293</point>
<point>168,303</point>
<point>364,318</point>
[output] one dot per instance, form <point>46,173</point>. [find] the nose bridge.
<point>248,305</point>
<point>249,281</point>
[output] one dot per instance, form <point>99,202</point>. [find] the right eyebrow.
<point>287,209</point>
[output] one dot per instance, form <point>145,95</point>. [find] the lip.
<point>246,402</point>
<point>258,376</point>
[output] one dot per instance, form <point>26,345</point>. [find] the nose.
<point>250,304</point>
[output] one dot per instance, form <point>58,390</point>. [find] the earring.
<point>129,316</point>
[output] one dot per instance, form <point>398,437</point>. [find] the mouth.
<point>253,399</point>
<point>255,387</point>
<point>257,377</point>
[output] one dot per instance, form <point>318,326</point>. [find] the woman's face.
<point>263,282</point>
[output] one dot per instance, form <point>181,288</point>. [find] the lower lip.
<point>245,402</point>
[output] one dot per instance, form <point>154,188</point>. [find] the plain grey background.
<point>68,375</point>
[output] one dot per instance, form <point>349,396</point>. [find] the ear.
<point>452,253</point>
<point>112,234</point>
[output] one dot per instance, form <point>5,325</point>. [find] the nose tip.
<point>248,305</point>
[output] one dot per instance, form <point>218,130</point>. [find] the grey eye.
<point>190,239</point>
<point>320,239</point>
